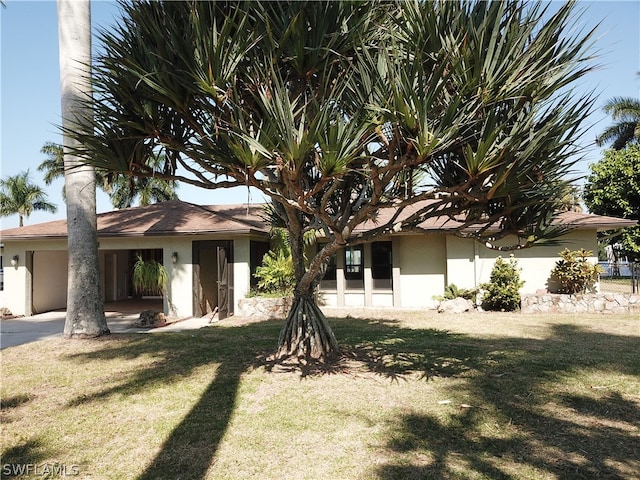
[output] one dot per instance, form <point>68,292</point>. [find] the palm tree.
<point>123,190</point>
<point>85,310</point>
<point>19,195</point>
<point>571,201</point>
<point>626,113</point>
<point>53,166</point>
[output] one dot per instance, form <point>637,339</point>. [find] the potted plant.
<point>149,277</point>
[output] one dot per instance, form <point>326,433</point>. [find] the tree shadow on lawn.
<point>21,459</point>
<point>502,376</point>
<point>522,416</point>
<point>190,449</point>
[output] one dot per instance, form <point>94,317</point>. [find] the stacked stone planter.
<point>260,308</point>
<point>581,303</point>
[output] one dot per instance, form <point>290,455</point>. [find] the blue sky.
<point>30,99</point>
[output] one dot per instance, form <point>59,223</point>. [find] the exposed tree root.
<point>306,333</point>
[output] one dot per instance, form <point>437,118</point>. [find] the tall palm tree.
<point>122,189</point>
<point>53,166</point>
<point>19,195</point>
<point>571,201</point>
<point>126,190</point>
<point>625,111</point>
<point>85,310</point>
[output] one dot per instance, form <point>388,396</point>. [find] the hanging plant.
<point>149,277</point>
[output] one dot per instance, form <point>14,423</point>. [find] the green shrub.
<point>276,275</point>
<point>502,292</point>
<point>451,291</point>
<point>574,273</point>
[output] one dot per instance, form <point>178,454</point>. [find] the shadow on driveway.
<point>120,316</point>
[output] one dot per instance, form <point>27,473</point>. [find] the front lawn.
<point>416,395</point>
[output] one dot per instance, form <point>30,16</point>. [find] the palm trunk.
<point>85,310</point>
<point>306,332</point>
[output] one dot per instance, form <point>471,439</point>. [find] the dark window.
<point>257,251</point>
<point>354,267</point>
<point>381,265</point>
<point>329,282</point>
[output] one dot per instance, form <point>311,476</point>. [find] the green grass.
<point>416,395</point>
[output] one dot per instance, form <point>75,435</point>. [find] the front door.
<point>213,277</point>
<point>225,284</point>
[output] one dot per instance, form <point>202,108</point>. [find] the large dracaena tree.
<point>330,107</point>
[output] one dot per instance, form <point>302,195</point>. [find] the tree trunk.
<point>306,332</point>
<point>85,310</point>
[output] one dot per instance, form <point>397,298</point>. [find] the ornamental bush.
<point>502,292</point>
<point>574,273</point>
<point>452,291</point>
<point>275,275</point>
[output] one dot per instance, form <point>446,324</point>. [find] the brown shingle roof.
<point>166,218</point>
<point>599,222</point>
<point>572,219</point>
<point>183,218</point>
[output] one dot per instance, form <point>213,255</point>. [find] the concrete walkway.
<point>18,331</point>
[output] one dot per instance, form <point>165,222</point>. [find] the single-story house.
<point>210,253</point>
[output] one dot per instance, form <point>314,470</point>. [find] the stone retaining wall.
<point>580,303</point>
<point>260,308</point>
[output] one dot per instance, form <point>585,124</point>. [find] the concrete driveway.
<point>18,331</point>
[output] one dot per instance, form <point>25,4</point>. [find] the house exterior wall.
<point>418,271</point>
<point>536,263</point>
<point>179,300</point>
<point>241,270</point>
<point>469,263</point>
<point>462,267</point>
<point>49,280</point>
<point>422,269</point>
<point>422,266</point>
<point>13,293</point>
<point>48,272</point>
<point>19,280</point>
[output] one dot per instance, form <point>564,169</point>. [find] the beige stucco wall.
<point>462,268</point>
<point>49,280</point>
<point>241,270</point>
<point>15,280</point>
<point>50,267</point>
<point>469,263</point>
<point>179,301</point>
<point>422,265</point>
<point>536,263</point>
